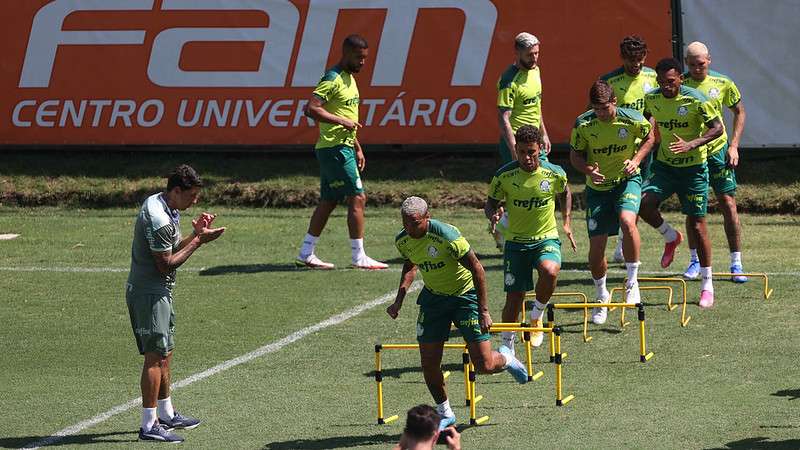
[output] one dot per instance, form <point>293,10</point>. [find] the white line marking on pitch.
<point>269,348</point>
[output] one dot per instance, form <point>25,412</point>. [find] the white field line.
<point>391,269</point>
<point>269,348</point>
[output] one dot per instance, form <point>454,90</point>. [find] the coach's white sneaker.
<point>632,295</point>
<point>366,263</point>
<point>311,261</point>
<point>599,314</point>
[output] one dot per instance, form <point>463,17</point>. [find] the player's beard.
<point>526,65</point>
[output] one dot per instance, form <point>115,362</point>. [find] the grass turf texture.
<point>725,381</point>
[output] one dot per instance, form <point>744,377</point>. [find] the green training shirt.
<point>520,91</point>
<point>720,91</point>
<point>436,255</point>
<point>609,144</point>
<point>630,90</point>
<point>685,115</point>
<point>339,93</point>
<point>530,200</point>
<point>157,229</point>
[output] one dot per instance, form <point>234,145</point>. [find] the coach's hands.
<point>595,175</point>
<point>202,230</point>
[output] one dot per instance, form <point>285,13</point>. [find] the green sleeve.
<point>577,141</point>
<point>505,97</point>
<point>458,248</point>
<point>326,89</point>
<point>496,190</point>
<point>708,112</point>
<point>644,127</point>
<point>160,240</point>
<point>732,95</point>
<point>561,182</point>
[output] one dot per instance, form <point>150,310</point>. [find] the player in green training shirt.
<point>454,292</point>
<point>158,249</point>
<point>723,156</point>
<point>529,187</point>
<point>334,105</point>
<point>685,122</point>
<point>630,82</point>
<point>608,144</point>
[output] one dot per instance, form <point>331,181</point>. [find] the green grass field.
<point>729,380</point>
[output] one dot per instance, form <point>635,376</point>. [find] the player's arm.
<point>545,137</point>
<point>316,111</point>
<point>739,117</point>
<point>645,147</point>
<point>167,261</point>
<point>713,131</point>
<point>361,161</point>
<point>565,199</point>
<point>504,117</point>
<point>406,278</point>
<point>493,211</point>
<point>471,263</point>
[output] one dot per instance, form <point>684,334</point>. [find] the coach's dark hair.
<point>667,64</point>
<point>601,92</point>
<point>422,422</point>
<point>527,134</point>
<point>633,46</point>
<point>354,42</point>
<point>183,177</point>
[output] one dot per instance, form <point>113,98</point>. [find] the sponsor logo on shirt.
<point>428,266</point>
<point>673,123</point>
<point>532,203</point>
<point>609,149</point>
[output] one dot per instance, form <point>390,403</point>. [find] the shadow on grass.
<point>248,268</point>
<point>89,438</point>
<point>761,443</point>
<point>793,394</point>
<point>334,442</point>
<point>398,372</point>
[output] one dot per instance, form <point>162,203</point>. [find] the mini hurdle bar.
<point>684,319</point>
<point>767,290</point>
<point>586,337</point>
<point>644,355</point>
<point>670,306</point>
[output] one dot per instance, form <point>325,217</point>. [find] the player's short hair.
<point>633,46</point>
<point>667,64</point>
<point>697,48</point>
<point>525,40</point>
<point>601,92</point>
<point>422,422</point>
<point>527,134</point>
<point>414,206</point>
<point>354,42</point>
<point>184,177</point>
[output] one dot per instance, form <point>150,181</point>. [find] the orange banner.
<point>239,72</point>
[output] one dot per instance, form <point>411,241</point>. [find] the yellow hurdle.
<point>684,319</point>
<point>670,306</point>
<point>643,355</point>
<point>767,290</point>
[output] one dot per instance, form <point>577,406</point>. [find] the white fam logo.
<point>278,38</point>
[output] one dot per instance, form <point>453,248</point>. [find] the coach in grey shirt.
<point>158,249</point>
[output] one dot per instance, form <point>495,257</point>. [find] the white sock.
<point>357,248</point>
<point>600,287</point>
<point>444,409</point>
<point>538,310</point>
<point>509,337</point>
<point>633,272</point>
<point>705,282</point>
<point>148,418</point>
<point>668,232</point>
<point>736,258</point>
<point>309,242</point>
<point>693,255</point>
<point>165,409</point>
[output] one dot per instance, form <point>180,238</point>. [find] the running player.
<point>686,122</point>
<point>723,155</point>
<point>529,187</point>
<point>454,292</point>
<point>608,144</point>
<point>334,105</point>
<point>630,83</point>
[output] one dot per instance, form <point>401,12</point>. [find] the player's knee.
<point>550,270</point>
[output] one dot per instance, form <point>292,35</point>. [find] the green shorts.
<point>506,156</point>
<point>721,177</point>
<point>152,319</point>
<point>604,207</point>
<point>690,183</point>
<point>437,312</point>
<point>520,260</point>
<point>338,173</point>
